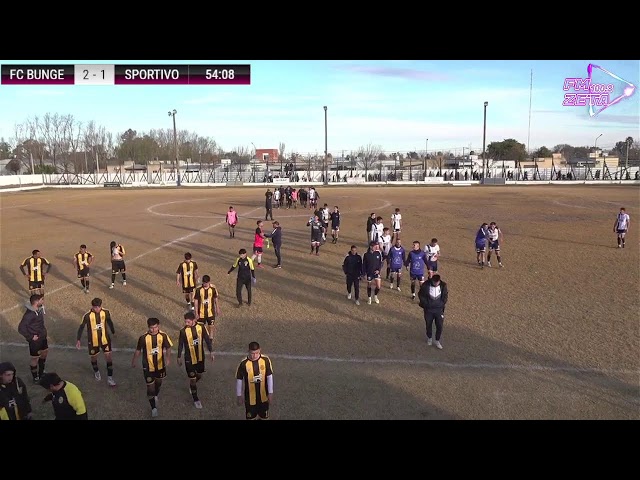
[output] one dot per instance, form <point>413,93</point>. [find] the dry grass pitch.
<point>553,335</point>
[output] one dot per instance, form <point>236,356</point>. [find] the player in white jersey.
<point>313,198</point>
<point>377,230</point>
<point>384,241</point>
<point>396,225</point>
<point>495,238</point>
<point>276,197</point>
<point>433,253</point>
<point>621,226</point>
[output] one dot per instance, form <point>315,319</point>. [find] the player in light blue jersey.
<point>415,263</point>
<point>397,259</point>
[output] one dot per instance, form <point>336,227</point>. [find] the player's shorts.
<point>37,346</point>
<point>432,266</point>
<point>257,249</point>
<point>188,289</point>
<point>260,410</point>
<point>150,377</point>
<point>95,350</point>
<point>83,272</point>
<point>335,228</point>
<point>396,270</point>
<point>372,277</point>
<point>420,278</point>
<point>495,245</point>
<point>194,368</point>
<point>621,231</point>
<point>396,230</point>
<point>117,266</point>
<point>36,285</point>
<point>207,320</point>
<point>316,240</point>
<point>232,225</point>
<point>481,247</point>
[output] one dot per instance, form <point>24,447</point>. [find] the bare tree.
<point>369,156</point>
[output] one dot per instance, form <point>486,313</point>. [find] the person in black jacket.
<point>14,399</point>
<point>276,240</point>
<point>352,268</point>
<point>268,204</point>
<point>371,268</point>
<point>246,275</point>
<point>32,328</point>
<point>370,221</point>
<point>433,296</point>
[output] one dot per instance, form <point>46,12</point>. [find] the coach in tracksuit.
<point>276,240</point>
<point>352,268</point>
<point>433,296</point>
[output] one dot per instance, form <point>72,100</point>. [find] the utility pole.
<point>175,145</point>
<point>326,180</point>
<point>484,141</point>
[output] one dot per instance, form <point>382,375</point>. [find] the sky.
<point>399,105</point>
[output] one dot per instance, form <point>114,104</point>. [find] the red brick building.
<point>270,155</point>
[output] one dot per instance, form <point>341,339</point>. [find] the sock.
<point>376,291</point>
<point>152,401</point>
<point>113,278</point>
<point>623,241</point>
<point>158,385</point>
<point>488,258</point>
<point>198,377</point>
<point>82,283</point>
<point>110,369</point>
<point>369,292</point>
<point>124,277</point>
<point>187,299</point>
<point>312,247</point>
<point>194,392</point>
<point>317,248</point>
<point>86,284</point>
<point>413,288</point>
<point>41,362</point>
<point>619,240</point>
<point>34,371</point>
<point>94,365</point>
<point>499,258</point>
<point>388,270</point>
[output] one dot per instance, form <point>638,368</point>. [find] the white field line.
<point>392,361</point>
<point>148,252</point>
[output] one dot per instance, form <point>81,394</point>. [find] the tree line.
<point>61,143</point>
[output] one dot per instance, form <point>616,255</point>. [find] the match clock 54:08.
<point>220,74</point>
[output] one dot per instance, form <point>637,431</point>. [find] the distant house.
<point>268,155</point>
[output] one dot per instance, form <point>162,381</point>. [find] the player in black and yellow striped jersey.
<point>187,278</point>
<point>206,305</point>
<point>98,322</point>
<point>192,338</point>
<point>65,397</point>
<point>33,268</point>
<point>155,348</point>
<point>81,261</point>
<point>254,383</point>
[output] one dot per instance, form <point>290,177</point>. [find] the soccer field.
<point>552,335</point>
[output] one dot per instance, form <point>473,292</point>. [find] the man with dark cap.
<point>14,399</point>
<point>65,398</point>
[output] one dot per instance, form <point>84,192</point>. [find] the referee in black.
<point>246,275</point>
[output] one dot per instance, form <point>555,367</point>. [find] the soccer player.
<point>117,263</point>
<point>317,232</point>
<point>377,230</point>
<point>621,226</point>
<point>14,398</point>
<point>191,339</point>
<point>206,305</point>
<point>352,268</point>
<point>155,348</point>
<point>481,243</point>
<point>371,268</point>
<point>433,253</point>
<point>187,278</point>
<point>254,384</point>
<point>385,245</point>
<point>335,224</point>
<point>232,221</point>
<point>396,224</point>
<point>415,263</point>
<point>246,275</point>
<point>313,197</point>
<point>370,221</point>
<point>325,216</point>
<point>34,266</point>
<point>66,399</point>
<point>97,320</point>
<point>81,261</point>
<point>258,243</point>
<point>495,238</point>
<point>33,329</point>
<point>397,259</point>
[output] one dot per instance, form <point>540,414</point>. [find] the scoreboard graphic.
<point>95,74</point>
